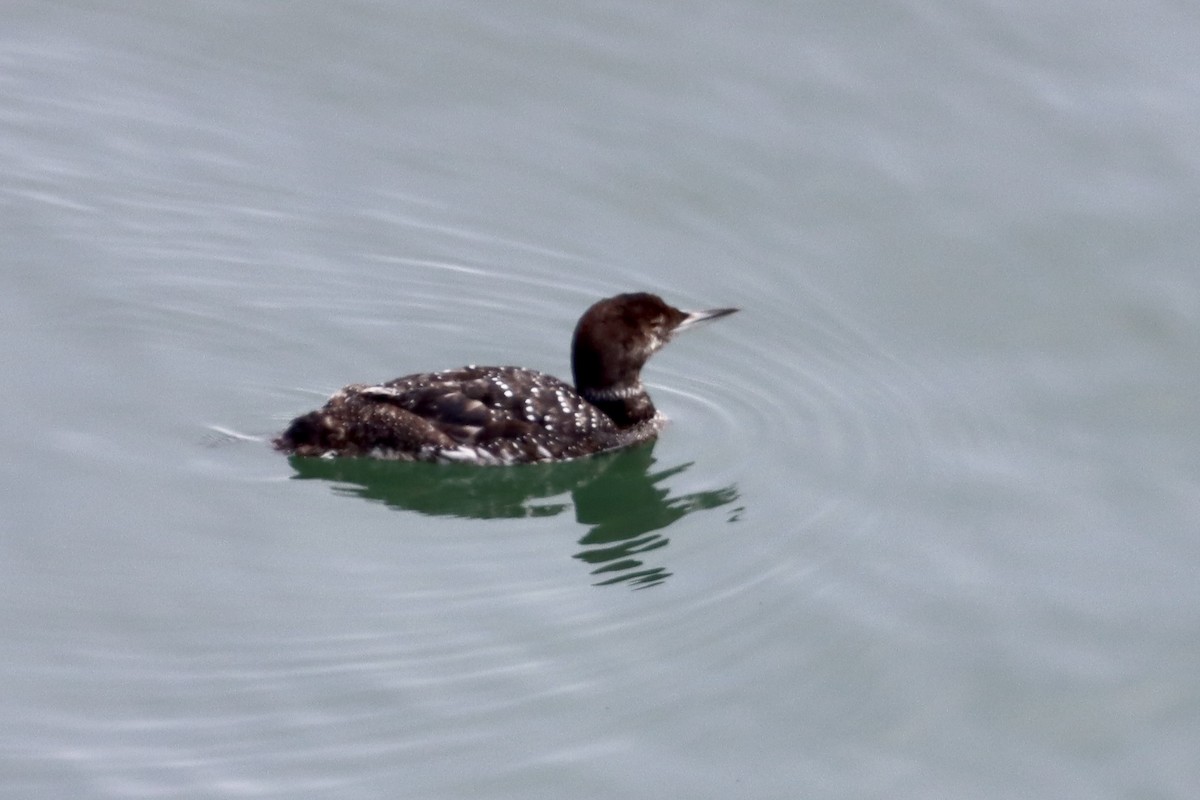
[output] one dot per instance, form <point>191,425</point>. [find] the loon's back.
<point>485,415</point>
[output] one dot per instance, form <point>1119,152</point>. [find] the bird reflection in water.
<point>625,505</point>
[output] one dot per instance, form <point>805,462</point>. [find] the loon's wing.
<point>440,404</point>
<point>470,405</point>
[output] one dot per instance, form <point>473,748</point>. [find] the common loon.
<point>509,415</point>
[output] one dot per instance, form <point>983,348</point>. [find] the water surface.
<point>924,523</point>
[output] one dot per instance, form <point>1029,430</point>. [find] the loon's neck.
<point>627,405</point>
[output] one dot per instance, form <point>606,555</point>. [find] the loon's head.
<point>612,342</point>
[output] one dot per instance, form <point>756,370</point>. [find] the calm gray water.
<point>925,524</point>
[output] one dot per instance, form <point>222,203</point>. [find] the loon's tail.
<point>306,433</point>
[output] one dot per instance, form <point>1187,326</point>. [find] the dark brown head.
<point>612,342</point>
